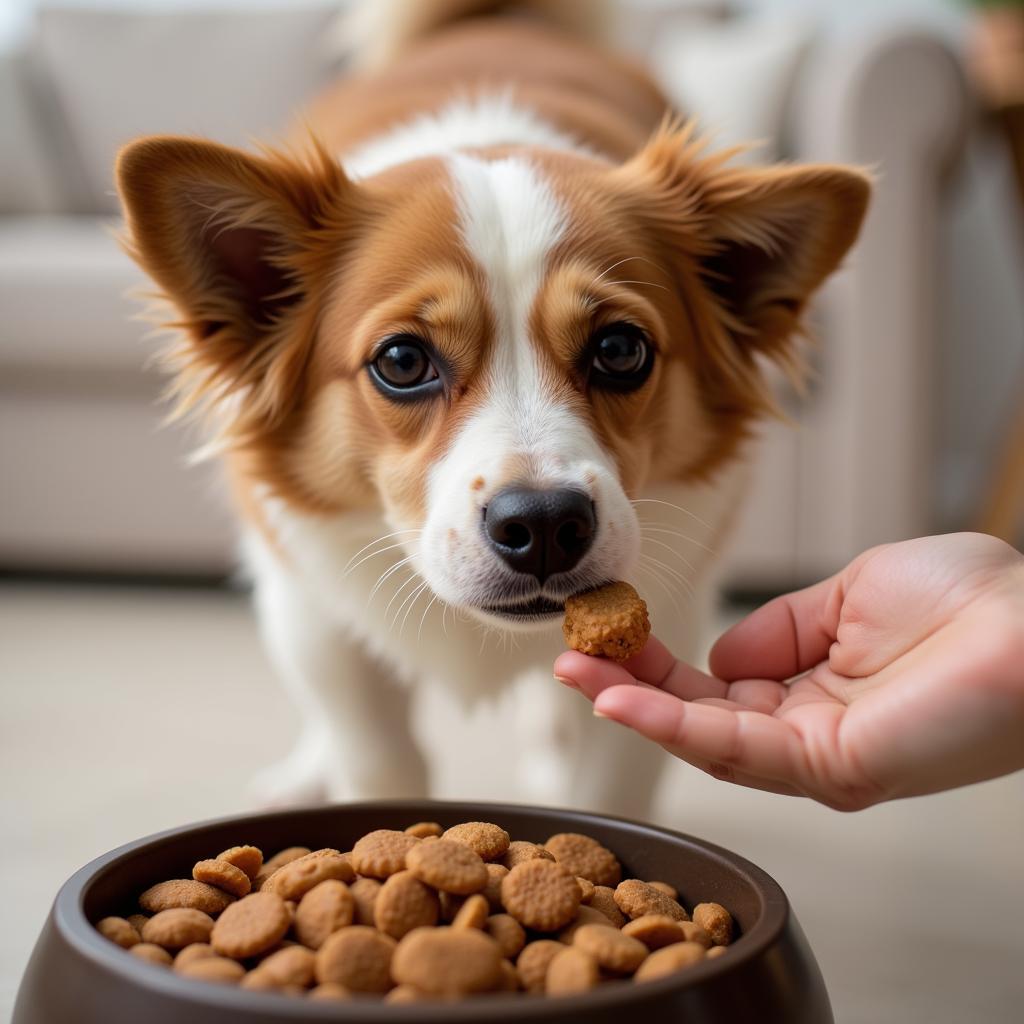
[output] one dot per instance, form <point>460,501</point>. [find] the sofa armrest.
<point>896,102</point>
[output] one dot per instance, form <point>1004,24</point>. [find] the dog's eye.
<point>402,364</point>
<point>621,357</point>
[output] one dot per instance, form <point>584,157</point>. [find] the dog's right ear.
<point>232,240</point>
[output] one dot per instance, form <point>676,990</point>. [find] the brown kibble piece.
<point>586,889</point>
<point>585,857</point>
<point>586,915</point>
<point>669,960</point>
<point>533,962</point>
<point>489,841</point>
<point>520,850</point>
<point>509,981</point>
<point>715,920</point>
<point>613,951</point>
<point>656,930</point>
<point>610,622</point>
<point>404,903</point>
<point>604,901</point>
<point>137,921</point>
<point>447,962</point>
<point>422,829</point>
<point>571,971</point>
<point>292,965</point>
<point>404,995</point>
<point>224,875</point>
<point>541,894</point>
<point>507,932</point>
<point>492,890</point>
<point>184,892</point>
<point>715,952</point>
<point>251,926</point>
<point>285,856</point>
<point>152,953</point>
<point>325,909</point>
<point>178,927</point>
<point>217,969</point>
<point>296,878</point>
<point>473,912</point>
<point>635,898</point>
<point>330,992</point>
<point>669,890</point>
<point>118,930</point>
<point>246,858</point>
<point>694,933</point>
<point>364,893</point>
<point>195,951</point>
<point>358,958</point>
<point>448,865</point>
<point>382,853</point>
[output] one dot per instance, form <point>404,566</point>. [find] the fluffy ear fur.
<point>232,240</point>
<point>762,239</point>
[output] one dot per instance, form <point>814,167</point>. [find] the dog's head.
<point>498,349</point>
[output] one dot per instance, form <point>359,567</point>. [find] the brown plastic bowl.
<point>769,975</point>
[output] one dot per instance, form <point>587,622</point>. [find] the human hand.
<point>901,675</point>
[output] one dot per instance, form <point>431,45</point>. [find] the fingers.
<point>783,638</point>
<point>742,746</point>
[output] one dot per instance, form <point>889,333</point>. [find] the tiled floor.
<point>116,713</point>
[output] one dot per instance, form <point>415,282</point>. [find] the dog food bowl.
<point>769,975</point>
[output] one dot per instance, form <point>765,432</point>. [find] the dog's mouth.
<point>535,609</point>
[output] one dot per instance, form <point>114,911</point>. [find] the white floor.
<point>128,711</point>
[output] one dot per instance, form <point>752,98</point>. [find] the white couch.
<point>90,481</point>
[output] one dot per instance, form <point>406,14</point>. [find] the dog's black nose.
<point>540,532</point>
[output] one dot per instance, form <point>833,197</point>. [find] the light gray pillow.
<point>230,75</point>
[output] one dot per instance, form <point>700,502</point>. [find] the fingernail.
<point>566,681</point>
<point>601,714</point>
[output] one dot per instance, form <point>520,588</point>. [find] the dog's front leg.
<point>356,741</point>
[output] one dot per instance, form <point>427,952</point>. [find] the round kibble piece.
<point>213,968</point>
<point>715,920</point>
<point>184,892</point>
<point>656,930</point>
<point>473,912</point>
<point>603,900</point>
<point>715,952</point>
<point>492,890</point>
<point>571,971</point>
<point>382,853</point>
<point>635,898</point>
<point>585,857</point>
<point>422,829</point>
<point>118,930</point>
<point>330,992</point>
<point>364,893</point>
<point>586,915</point>
<point>152,953</point>
<point>520,850</point>
<point>251,926</point>
<point>613,951</point>
<point>586,888</point>
<point>358,958</point>
<point>196,951</point>
<point>541,894</point>
<point>694,933</point>
<point>448,865</point>
<point>487,840</point>
<point>533,962</point>
<point>178,927</point>
<point>447,962</point>
<point>669,960</point>
<point>286,856</point>
<point>247,858</point>
<point>610,622</point>
<point>669,890</point>
<point>509,981</point>
<point>292,965</point>
<point>404,903</point>
<point>137,921</point>
<point>223,875</point>
<point>325,909</point>
<point>507,932</point>
<point>296,878</point>
<point>406,994</point>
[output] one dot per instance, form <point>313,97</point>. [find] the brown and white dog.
<point>501,327</point>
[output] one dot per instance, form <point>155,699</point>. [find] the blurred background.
<point>128,658</point>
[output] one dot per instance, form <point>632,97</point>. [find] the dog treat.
<point>610,622</point>
<point>420,914</point>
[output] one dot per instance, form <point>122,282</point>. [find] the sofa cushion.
<point>230,75</point>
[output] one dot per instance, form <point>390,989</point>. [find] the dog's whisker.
<point>674,574</point>
<point>678,508</point>
<point>649,284</point>
<point>608,270</point>
<point>384,576</point>
<point>668,547</point>
<point>379,540</point>
<point>394,597</point>
<point>423,617</point>
<point>372,554</point>
<point>416,594</point>
<point>646,529</point>
<point>649,571</point>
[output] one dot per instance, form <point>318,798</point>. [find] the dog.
<point>492,333</point>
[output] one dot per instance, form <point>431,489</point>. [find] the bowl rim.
<point>76,929</point>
